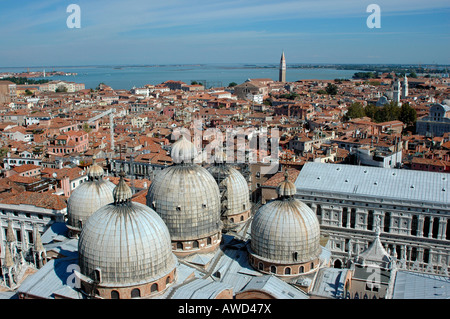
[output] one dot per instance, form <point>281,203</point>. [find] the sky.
<point>147,32</point>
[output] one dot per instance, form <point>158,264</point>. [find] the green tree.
<point>61,89</point>
<point>408,114</point>
<point>232,84</point>
<point>356,110</point>
<point>370,110</point>
<point>267,102</point>
<point>389,112</point>
<point>86,128</point>
<point>332,89</point>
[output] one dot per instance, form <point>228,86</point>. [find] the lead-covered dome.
<point>187,198</point>
<point>88,197</point>
<point>183,151</point>
<point>286,232</point>
<point>125,244</point>
<point>234,192</point>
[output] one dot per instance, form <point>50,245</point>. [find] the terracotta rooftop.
<point>279,177</point>
<point>43,200</point>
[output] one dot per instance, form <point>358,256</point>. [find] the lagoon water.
<point>215,75</point>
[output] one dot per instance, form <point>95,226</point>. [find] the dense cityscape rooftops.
<point>52,133</point>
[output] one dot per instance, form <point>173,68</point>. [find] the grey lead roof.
<point>399,184</point>
<point>412,285</point>
<point>54,277</point>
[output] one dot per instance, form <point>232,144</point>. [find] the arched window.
<point>115,294</point>
<point>179,246</point>
<point>135,293</point>
<point>387,222</point>
<point>344,216</point>
<point>414,224</point>
<point>242,218</point>
<point>301,269</point>
<point>195,244</point>
<point>273,269</point>
<point>260,266</point>
<point>295,256</point>
<point>319,211</point>
<point>97,275</point>
<point>287,271</point>
<point>209,241</point>
<point>370,220</point>
<point>168,280</point>
<point>154,288</point>
<point>352,217</point>
<point>312,265</point>
<point>435,229</point>
<point>447,233</point>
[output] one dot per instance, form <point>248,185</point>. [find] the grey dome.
<point>187,198</point>
<point>286,187</point>
<point>285,231</point>
<point>183,151</point>
<point>122,193</point>
<point>86,199</point>
<point>233,188</point>
<point>128,242</point>
<point>95,171</point>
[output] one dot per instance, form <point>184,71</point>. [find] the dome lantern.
<point>183,151</point>
<point>122,193</point>
<point>286,189</point>
<point>95,171</point>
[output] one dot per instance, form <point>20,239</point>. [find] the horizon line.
<point>233,63</point>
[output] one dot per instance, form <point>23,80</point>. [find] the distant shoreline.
<point>338,66</point>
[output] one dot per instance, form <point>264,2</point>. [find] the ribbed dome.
<point>233,187</point>
<point>122,193</point>
<point>183,151</point>
<point>86,199</point>
<point>286,187</point>
<point>95,171</point>
<point>285,231</point>
<point>187,199</point>
<point>129,243</point>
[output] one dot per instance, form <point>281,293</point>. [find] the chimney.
<point>65,185</point>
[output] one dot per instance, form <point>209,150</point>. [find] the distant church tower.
<point>282,77</point>
<point>405,87</point>
<point>397,91</point>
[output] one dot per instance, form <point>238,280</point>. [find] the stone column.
<point>409,225</point>
<point>349,217</point>
<point>442,228</point>
<point>420,219</point>
<point>24,242</point>
<point>381,216</point>
<point>339,220</point>
<point>420,255</point>
<point>430,230</point>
